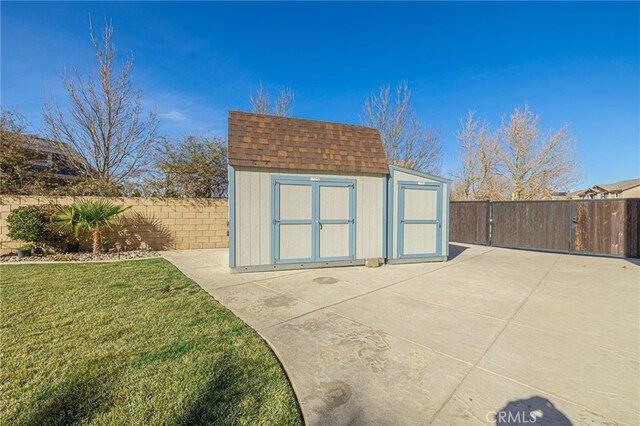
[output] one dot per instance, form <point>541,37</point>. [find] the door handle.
<point>319,223</point>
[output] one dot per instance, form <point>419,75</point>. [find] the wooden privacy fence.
<point>603,227</point>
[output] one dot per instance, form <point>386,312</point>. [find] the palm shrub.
<point>89,216</point>
<point>67,220</point>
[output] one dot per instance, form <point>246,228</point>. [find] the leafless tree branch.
<point>261,102</point>
<point>406,140</point>
<point>104,128</point>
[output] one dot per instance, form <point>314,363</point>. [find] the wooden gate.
<point>603,227</point>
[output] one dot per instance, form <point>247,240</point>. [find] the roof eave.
<point>421,174</point>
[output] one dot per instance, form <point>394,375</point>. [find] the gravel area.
<point>80,257</point>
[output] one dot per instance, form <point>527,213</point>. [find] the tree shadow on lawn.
<point>220,402</point>
<point>76,400</point>
<point>231,398</point>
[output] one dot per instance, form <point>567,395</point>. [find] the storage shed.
<point>304,193</point>
<point>418,216</point>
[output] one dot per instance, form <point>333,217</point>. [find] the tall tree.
<point>534,163</point>
<point>262,103</point>
<point>406,140</point>
<point>478,176</point>
<point>105,122</point>
<point>194,167</point>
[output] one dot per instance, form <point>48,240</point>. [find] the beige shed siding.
<point>398,176</point>
<point>253,213</point>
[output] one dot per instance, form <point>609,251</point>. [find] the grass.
<point>130,343</point>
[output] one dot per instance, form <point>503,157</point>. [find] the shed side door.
<point>419,220</point>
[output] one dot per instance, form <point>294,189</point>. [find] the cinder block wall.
<point>159,223</point>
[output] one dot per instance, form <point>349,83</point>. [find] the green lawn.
<point>130,343</point>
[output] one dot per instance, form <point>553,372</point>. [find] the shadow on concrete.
<point>532,411</point>
<point>633,260</point>
<point>455,250</point>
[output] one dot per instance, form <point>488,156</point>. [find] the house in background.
<point>623,189</point>
<point>53,156</point>
<point>34,165</point>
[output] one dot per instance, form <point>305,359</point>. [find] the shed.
<point>304,193</point>
<point>418,216</point>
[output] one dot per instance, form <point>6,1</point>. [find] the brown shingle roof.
<point>258,140</point>
<point>619,186</point>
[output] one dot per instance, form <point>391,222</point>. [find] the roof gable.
<point>393,168</point>
<point>269,141</point>
<point>619,186</point>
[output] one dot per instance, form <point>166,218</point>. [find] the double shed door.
<point>419,219</point>
<point>313,220</point>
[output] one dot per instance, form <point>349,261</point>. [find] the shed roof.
<point>258,140</point>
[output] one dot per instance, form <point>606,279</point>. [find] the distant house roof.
<point>258,140</point>
<point>619,186</point>
<point>66,159</point>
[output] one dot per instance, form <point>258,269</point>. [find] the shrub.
<point>33,224</point>
<point>88,216</point>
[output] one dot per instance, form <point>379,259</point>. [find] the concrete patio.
<point>491,333</point>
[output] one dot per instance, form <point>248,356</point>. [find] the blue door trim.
<point>345,183</point>
<point>402,186</point>
<point>276,221</point>
<point>315,220</point>
<point>446,229</point>
<point>384,217</point>
<point>389,223</point>
<point>231,174</point>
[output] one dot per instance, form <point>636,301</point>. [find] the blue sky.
<point>571,62</point>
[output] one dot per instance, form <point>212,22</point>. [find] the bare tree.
<point>406,140</point>
<point>190,167</point>
<point>536,165</point>
<point>478,177</point>
<point>261,102</point>
<point>105,122</point>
